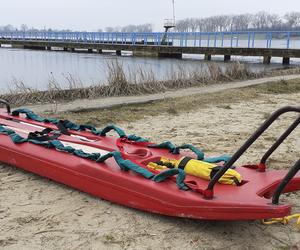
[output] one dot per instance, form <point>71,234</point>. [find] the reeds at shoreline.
<point>122,83</point>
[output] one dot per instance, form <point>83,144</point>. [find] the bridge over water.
<point>284,44</point>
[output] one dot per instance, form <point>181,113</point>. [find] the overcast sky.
<point>94,14</point>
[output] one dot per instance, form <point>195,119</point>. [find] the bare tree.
<point>200,24</point>
<point>193,25</point>
<point>224,23</point>
<point>147,27</point>
<point>293,19</point>
<point>242,22</point>
<point>8,27</point>
<point>23,27</point>
<point>275,21</point>
<point>109,29</point>
<point>182,25</point>
<point>260,20</point>
<point>220,23</point>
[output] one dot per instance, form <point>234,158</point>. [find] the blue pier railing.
<point>257,39</point>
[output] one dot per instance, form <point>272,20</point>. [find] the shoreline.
<point>139,82</point>
<point>111,102</point>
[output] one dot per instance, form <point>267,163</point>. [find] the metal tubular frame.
<point>209,191</point>
<point>290,175</point>
<point>6,104</point>
<point>279,141</point>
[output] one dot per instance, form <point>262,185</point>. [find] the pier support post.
<point>267,59</point>
<point>286,61</point>
<point>65,49</point>
<point>144,53</point>
<point>48,48</point>
<point>227,58</point>
<point>118,52</point>
<point>99,51</point>
<point>207,57</point>
<point>72,49</point>
<point>170,55</point>
<point>18,46</point>
<point>90,50</point>
<point>33,47</point>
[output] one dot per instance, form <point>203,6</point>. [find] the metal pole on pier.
<point>173,2</point>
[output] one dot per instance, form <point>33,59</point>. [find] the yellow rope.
<point>284,220</point>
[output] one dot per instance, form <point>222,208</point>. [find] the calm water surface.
<point>35,68</point>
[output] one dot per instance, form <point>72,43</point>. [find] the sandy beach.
<point>36,213</point>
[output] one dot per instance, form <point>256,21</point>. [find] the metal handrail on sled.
<point>209,192</point>
<point>290,175</point>
<point>6,104</point>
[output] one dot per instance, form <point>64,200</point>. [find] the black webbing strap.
<point>183,162</point>
<point>43,135</point>
<point>166,164</point>
<point>61,127</point>
<point>215,170</point>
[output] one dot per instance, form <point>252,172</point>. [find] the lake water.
<point>35,68</point>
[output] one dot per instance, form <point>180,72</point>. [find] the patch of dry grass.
<point>281,87</point>
<point>174,106</point>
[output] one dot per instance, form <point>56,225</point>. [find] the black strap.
<point>46,131</point>
<point>184,162</point>
<point>215,170</point>
<point>43,135</point>
<point>166,164</point>
<point>236,181</point>
<point>61,127</point>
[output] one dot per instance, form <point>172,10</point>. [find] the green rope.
<point>218,159</point>
<point>32,116</point>
<point>17,139</point>
<point>129,165</point>
<point>136,138</point>
<point>171,172</point>
<point>173,149</point>
<point>165,145</point>
<point>72,126</point>
<point>176,149</point>
<point>107,129</point>
<point>124,165</point>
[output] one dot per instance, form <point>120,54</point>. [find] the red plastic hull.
<point>105,180</point>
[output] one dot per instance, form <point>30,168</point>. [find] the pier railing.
<point>255,39</point>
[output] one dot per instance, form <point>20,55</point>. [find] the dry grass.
<point>175,106</point>
<point>281,87</point>
<point>134,82</point>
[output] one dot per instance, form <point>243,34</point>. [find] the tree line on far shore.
<point>244,22</point>
<point>128,28</point>
<point>220,23</point>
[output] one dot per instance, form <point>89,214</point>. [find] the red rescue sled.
<point>256,198</point>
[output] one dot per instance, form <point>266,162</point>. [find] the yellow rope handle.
<point>284,220</point>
